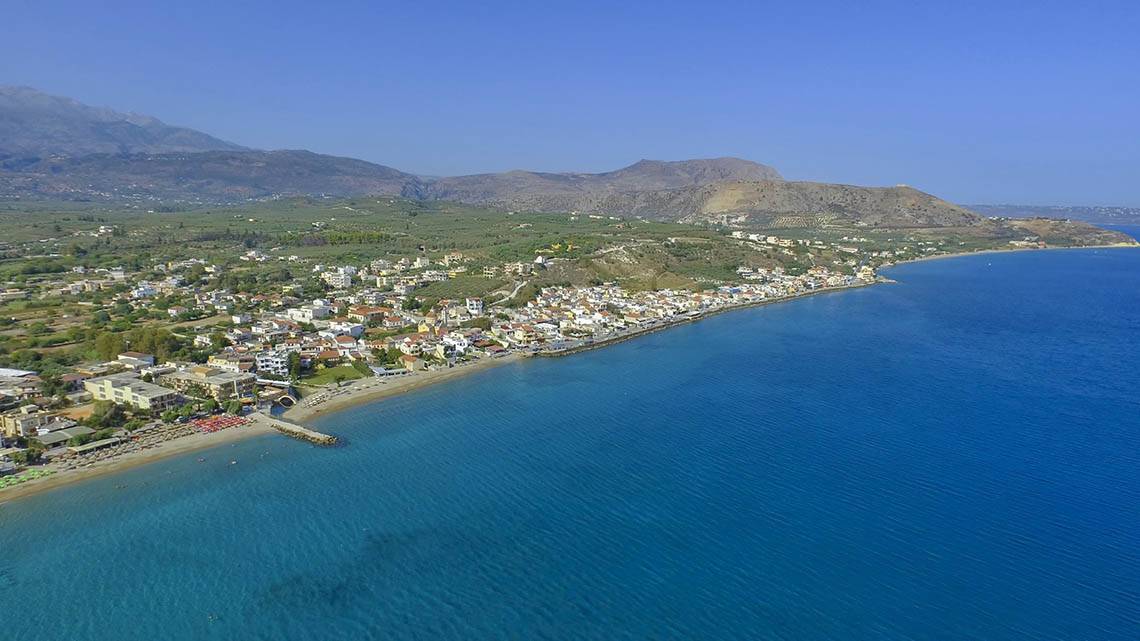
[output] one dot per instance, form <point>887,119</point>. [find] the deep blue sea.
<point>955,456</point>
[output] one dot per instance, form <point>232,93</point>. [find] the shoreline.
<point>376,389</point>
<point>606,342</point>
<point>1012,250</point>
<point>185,445</point>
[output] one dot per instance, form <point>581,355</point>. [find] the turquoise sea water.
<point>955,456</point>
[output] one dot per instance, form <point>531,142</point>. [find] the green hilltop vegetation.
<point>44,238</point>
<point>357,231</point>
<point>272,247</point>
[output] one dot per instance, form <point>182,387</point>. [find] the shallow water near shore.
<point>953,456</point>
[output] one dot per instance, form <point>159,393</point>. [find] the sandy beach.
<point>373,389</point>
<point>175,447</point>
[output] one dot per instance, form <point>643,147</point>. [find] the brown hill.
<point>507,189</point>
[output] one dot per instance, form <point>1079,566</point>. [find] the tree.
<point>233,407</point>
<point>294,365</point>
<point>106,414</point>
<point>482,323</point>
<point>51,385</point>
<point>108,345</point>
<point>195,273</point>
<point>210,406</point>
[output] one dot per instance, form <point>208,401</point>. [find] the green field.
<point>329,375</point>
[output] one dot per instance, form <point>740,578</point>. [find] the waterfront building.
<point>210,381</point>
<point>128,389</point>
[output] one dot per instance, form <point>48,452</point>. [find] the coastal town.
<point>225,360</point>
<point>130,334</point>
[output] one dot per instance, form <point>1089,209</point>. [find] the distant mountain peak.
<point>35,124</point>
<point>669,174</point>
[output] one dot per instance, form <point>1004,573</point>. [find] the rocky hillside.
<point>531,189</point>
<point>35,125</point>
<point>762,202</point>
<point>753,203</point>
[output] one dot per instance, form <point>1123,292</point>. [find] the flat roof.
<point>94,445</point>
<point>53,438</point>
<point>220,376</point>
<point>132,382</point>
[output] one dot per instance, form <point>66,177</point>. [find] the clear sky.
<point>1026,102</point>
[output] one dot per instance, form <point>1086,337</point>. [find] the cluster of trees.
<point>246,280</point>
<point>36,266</point>
<point>412,303</point>
<point>247,237</point>
<point>107,414</point>
<point>51,364</point>
<point>390,356</point>
<point>482,323</point>
<point>339,238</point>
<point>159,341</point>
<point>232,406</point>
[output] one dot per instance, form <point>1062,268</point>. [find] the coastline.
<point>375,389</point>
<point>131,460</point>
<point>612,340</point>
<point>378,388</point>
<point>1011,250</point>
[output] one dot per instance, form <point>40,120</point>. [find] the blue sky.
<point>1027,102</point>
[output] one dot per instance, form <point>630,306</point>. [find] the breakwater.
<point>296,431</point>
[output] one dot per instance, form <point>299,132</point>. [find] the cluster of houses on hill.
<point>851,246</point>
<point>561,317</point>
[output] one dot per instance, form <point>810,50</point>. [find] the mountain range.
<point>58,148</point>
<point>37,125</point>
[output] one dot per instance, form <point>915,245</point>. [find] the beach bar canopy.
<point>95,445</point>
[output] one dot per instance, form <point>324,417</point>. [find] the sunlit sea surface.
<point>954,456</point>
